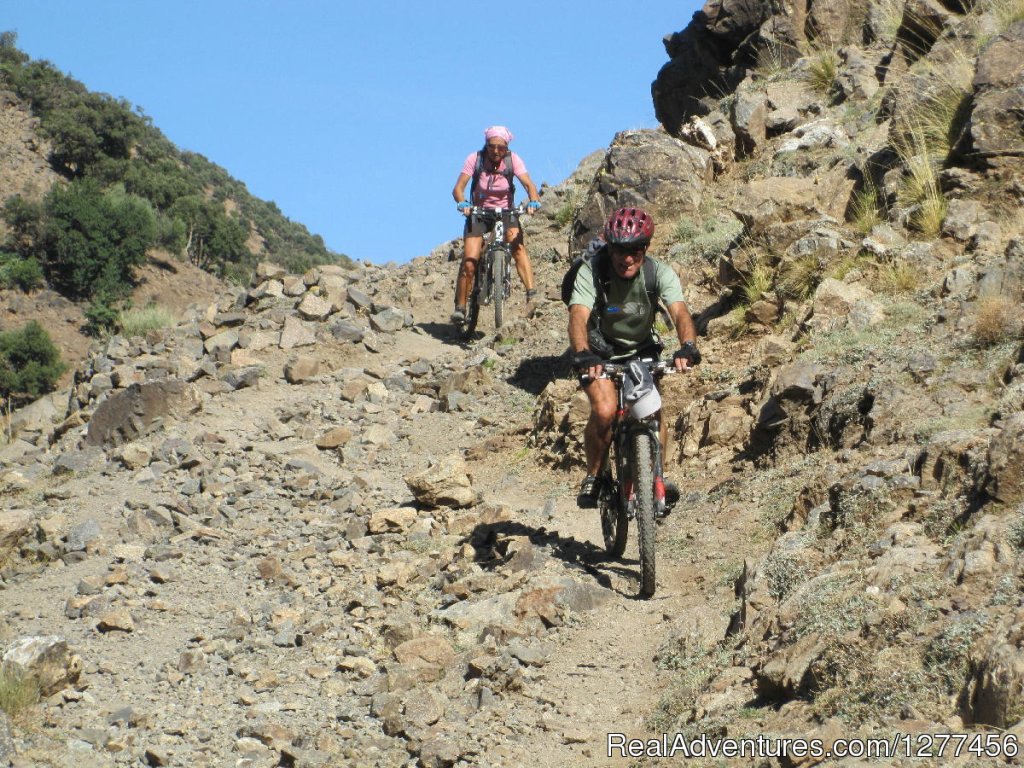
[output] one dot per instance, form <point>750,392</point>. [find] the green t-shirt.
<point>628,317</point>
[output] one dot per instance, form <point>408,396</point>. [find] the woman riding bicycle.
<point>611,317</point>
<point>491,171</point>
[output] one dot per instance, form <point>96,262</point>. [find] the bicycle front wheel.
<point>499,263</point>
<point>612,505</point>
<point>643,490</point>
<point>472,309</point>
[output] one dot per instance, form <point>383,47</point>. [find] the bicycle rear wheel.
<point>643,490</point>
<point>614,520</point>
<point>499,263</point>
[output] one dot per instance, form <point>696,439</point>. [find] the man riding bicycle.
<point>492,170</point>
<point>611,317</point>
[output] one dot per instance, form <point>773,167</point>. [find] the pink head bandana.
<point>498,131</point>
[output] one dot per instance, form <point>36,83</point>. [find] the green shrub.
<point>95,239</point>
<point>102,315</point>
<point>108,141</point>
<point>16,272</point>
<point>29,363</point>
<point>709,237</point>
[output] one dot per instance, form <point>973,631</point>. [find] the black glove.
<point>689,353</point>
<point>583,360</point>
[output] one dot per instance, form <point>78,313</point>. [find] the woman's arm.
<point>531,188</point>
<point>460,187</point>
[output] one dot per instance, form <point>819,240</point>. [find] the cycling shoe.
<point>589,492</point>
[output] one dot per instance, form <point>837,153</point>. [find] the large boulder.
<point>39,416</point>
<point>1005,476</point>
<point>445,483</point>
<point>47,659</point>
<point>702,66</point>
<point>140,409</point>
<point>995,123</point>
<point>995,690</point>
<point>763,204</point>
<point>648,169</point>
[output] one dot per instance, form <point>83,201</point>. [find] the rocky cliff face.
<point>307,526</point>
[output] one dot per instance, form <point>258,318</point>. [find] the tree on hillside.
<point>29,364</point>
<point>95,239</point>
<point>25,225</point>
<point>95,136</point>
<point>214,241</point>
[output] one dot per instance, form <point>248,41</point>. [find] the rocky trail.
<point>307,527</point>
<point>258,578</point>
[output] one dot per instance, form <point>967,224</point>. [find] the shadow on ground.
<point>444,332</point>
<point>491,544</point>
<point>534,373</point>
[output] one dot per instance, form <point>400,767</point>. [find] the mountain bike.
<point>632,481</point>
<point>492,283</point>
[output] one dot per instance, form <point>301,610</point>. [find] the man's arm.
<point>579,316</point>
<point>687,356</point>
<point>685,328</point>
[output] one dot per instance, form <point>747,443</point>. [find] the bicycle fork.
<point>629,492</point>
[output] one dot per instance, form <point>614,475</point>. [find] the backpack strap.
<point>478,169</point>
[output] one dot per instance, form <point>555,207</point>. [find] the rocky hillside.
<point>306,526</point>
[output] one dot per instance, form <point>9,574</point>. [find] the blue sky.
<point>355,117</point>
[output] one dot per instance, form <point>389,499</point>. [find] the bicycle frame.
<point>484,283</point>
<point>624,427</point>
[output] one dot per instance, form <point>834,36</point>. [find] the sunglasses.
<point>636,251</point>
<point>501,149</point>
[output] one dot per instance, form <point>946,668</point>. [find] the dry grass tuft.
<point>799,277</point>
<point>19,691</point>
<point>866,209</point>
<point>757,283</point>
<point>996,320</point>
<point>1006,12</point>
<point>822,70</point>
<point>894,279</point>
<point>139,322</point>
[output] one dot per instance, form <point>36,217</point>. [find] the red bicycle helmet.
<point>629,226</point>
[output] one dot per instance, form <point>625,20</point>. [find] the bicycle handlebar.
<point>479,210</point>
<point>615,370</point>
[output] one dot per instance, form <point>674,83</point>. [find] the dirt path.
<point>603,677</point>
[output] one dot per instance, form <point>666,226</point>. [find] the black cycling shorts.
<point>477,226</point>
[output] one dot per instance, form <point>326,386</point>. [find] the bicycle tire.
<point>643,489</point>
<point>499,263</point>
<point>614,517</point>
<point>472,309</point>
